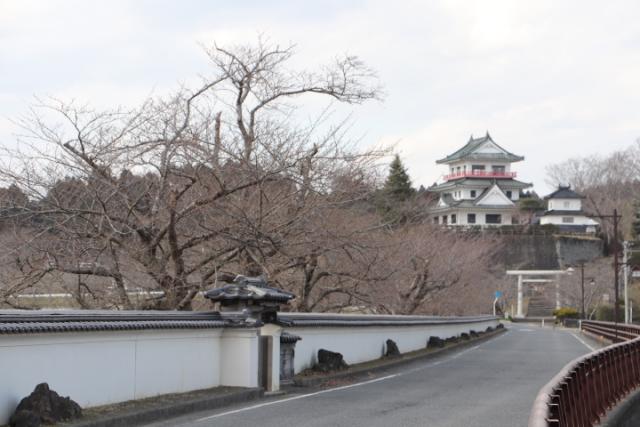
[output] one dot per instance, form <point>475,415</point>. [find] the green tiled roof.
<point>467,152</point>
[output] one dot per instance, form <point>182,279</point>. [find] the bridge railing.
<point>589,386</point>
<point>614,332</point>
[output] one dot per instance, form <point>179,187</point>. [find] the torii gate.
<point>522,274</point>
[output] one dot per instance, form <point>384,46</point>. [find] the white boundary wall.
<point>102,367</point>
<point>97,368</point>
<point>364,343</point>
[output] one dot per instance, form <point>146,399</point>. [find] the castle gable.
<point>494,196</point>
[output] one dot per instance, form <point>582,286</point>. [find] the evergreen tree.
<point>398,184</point>
<point>393,200</point>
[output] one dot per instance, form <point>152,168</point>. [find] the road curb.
<point>385,364</point>
<point>149,415</point>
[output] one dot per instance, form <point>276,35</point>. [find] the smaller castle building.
<point>564,210</point>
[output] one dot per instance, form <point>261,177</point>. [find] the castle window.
<point>471,218</point>
<point>493,219</point>
<point>453,218</point>
<point>509,194</point>
<point>473,194</point>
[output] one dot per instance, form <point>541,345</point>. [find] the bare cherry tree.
<point>436,270</point>
<point>173,195</point>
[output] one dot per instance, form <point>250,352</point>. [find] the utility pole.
<point>625,261</point>
<point>582,288</point>
<point>616,268</point>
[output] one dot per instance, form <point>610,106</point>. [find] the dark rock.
<point>435,342</point>
<point>489,329</point>
<point>465,336</point>
<point>24,418</point>
<point>453,339</point>
<point>392,349</point>
<point>48,405</point>
<point>330,361</point>
<point>500,326</point>
<point>474,334</point>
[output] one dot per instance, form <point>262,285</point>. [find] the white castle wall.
<point>98,368</point>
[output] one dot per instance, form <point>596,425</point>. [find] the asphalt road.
<point>492,384</point>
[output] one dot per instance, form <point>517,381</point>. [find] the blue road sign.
<point>498,294</point>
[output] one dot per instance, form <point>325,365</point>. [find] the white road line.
<point>462,353</point>
<point>582,341</point>
<point>504,334</point>
<point>302,396</point>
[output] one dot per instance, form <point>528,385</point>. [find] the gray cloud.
<point>548,79</point>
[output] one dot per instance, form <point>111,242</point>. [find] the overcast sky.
<point>548,79</point>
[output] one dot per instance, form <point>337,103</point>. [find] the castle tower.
<point>480,188</point>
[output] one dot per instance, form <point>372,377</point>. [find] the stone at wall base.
<point>392,349</point>
<point>330,361</point>
<point>435,342</point>
<point>47,405</point>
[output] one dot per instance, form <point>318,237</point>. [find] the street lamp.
<point>592,283</point>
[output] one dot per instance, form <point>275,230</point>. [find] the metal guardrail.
<point>587,387</point>
<point>614,332</point>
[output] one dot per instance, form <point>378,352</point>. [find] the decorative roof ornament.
<point>250,295</point>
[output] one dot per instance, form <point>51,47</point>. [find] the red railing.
<point>591,385</point>
<point>480,174</point>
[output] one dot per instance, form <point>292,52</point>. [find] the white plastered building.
<point>480,188</point>
<point>564,210</point>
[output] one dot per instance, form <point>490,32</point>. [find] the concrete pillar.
<point>239,357</point>
<point>558,291</point>
<point>274,376</point>
<point>519,312</point>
